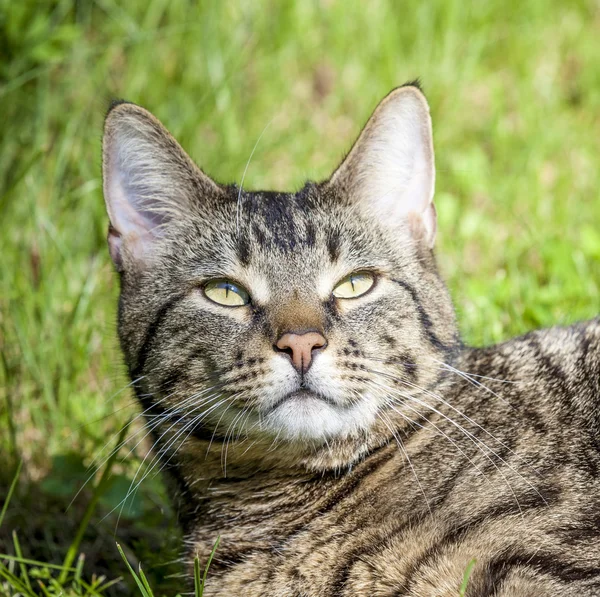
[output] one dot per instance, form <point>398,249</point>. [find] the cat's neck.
<point>230,500</point>
<point>251,465</point>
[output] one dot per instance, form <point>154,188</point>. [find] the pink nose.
<point>300,347</point>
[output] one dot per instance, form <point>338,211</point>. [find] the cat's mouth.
<point>301,396</point>
<point>306,414</point>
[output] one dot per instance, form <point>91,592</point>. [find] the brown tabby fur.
<point>492,454</point>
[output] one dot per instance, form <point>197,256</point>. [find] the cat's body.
<point>526,506</point>
<point>298,360</point>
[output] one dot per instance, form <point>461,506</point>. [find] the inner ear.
<point>390,170</point>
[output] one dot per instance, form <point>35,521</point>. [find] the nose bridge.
<point>297,315</point>
<point>297,321</point>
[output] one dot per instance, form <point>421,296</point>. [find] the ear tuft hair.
<point>414,83</point>
<point>114,103</point>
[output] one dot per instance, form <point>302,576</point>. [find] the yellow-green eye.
<point>226,293</point>
<point>354,285</point>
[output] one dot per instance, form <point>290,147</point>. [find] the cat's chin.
<point>305,416</point>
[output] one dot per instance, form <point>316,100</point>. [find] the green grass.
<point>515,96</point>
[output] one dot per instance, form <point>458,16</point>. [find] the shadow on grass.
<point>47,529</point>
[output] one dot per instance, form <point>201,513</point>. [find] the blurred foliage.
<point>515,96</point>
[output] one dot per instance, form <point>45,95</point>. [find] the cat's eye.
<point>354,285</point>
<point>226,293</point>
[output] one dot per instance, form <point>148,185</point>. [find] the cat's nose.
<point>300,348</point>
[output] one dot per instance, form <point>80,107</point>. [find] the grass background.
<point>514,89</point>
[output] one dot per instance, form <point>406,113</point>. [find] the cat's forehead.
<point>287,224</point>
<point>300,227</point>
<point>286,240</point>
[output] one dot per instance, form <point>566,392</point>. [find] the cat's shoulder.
<point>581,337</point>
<point>560,364</point>
<point>566,346</point>
<point>571,347</point>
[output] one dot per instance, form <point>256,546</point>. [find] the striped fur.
<point>424,454</point>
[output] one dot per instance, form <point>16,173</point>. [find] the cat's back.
<point>554,372</point>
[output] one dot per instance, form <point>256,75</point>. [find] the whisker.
<point>228,439</point>
<point>202,404</point>
<point>474,382</point>
<point>148,427</point>
<point>405,453</point>
<point>239,198</point>
<point>440,431</point>
<point>163,450</point>
<point>476,441</point>
<point>158,403</point>
<point>460,413</point>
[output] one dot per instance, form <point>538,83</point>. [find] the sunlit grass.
<point>515,96</point>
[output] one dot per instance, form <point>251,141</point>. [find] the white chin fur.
<point>310,418</point>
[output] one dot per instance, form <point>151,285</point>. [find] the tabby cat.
<point>300,370</point>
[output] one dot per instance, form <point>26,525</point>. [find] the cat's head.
<point>306,316</point>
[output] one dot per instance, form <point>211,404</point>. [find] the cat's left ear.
<point>390,170</point>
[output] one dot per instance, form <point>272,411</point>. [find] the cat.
<point>298,362</point>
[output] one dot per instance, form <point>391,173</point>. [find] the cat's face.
<point>301,316</point>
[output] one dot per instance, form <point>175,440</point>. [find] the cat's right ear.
<point>148,180</point>
<point>390,171</point>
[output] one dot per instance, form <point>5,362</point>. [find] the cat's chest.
<point>388,525</point>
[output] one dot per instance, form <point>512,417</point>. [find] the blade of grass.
<point>10,491</point>
<point>91,507</point>
<point>20,175</point>
<point>79,567</point>
<point>138,582</point>
<point>44,589</point>
<point>24,574</point>
<point>4,556</point>
<point>91,592</point>
<point>14,581</point>
<point>57,588</point>
<point>99,587</point>
<point>145,581</point>
<point>199,585</point>
<point>197,579</point>
<point>12,431</point>
<point>466,577</point>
